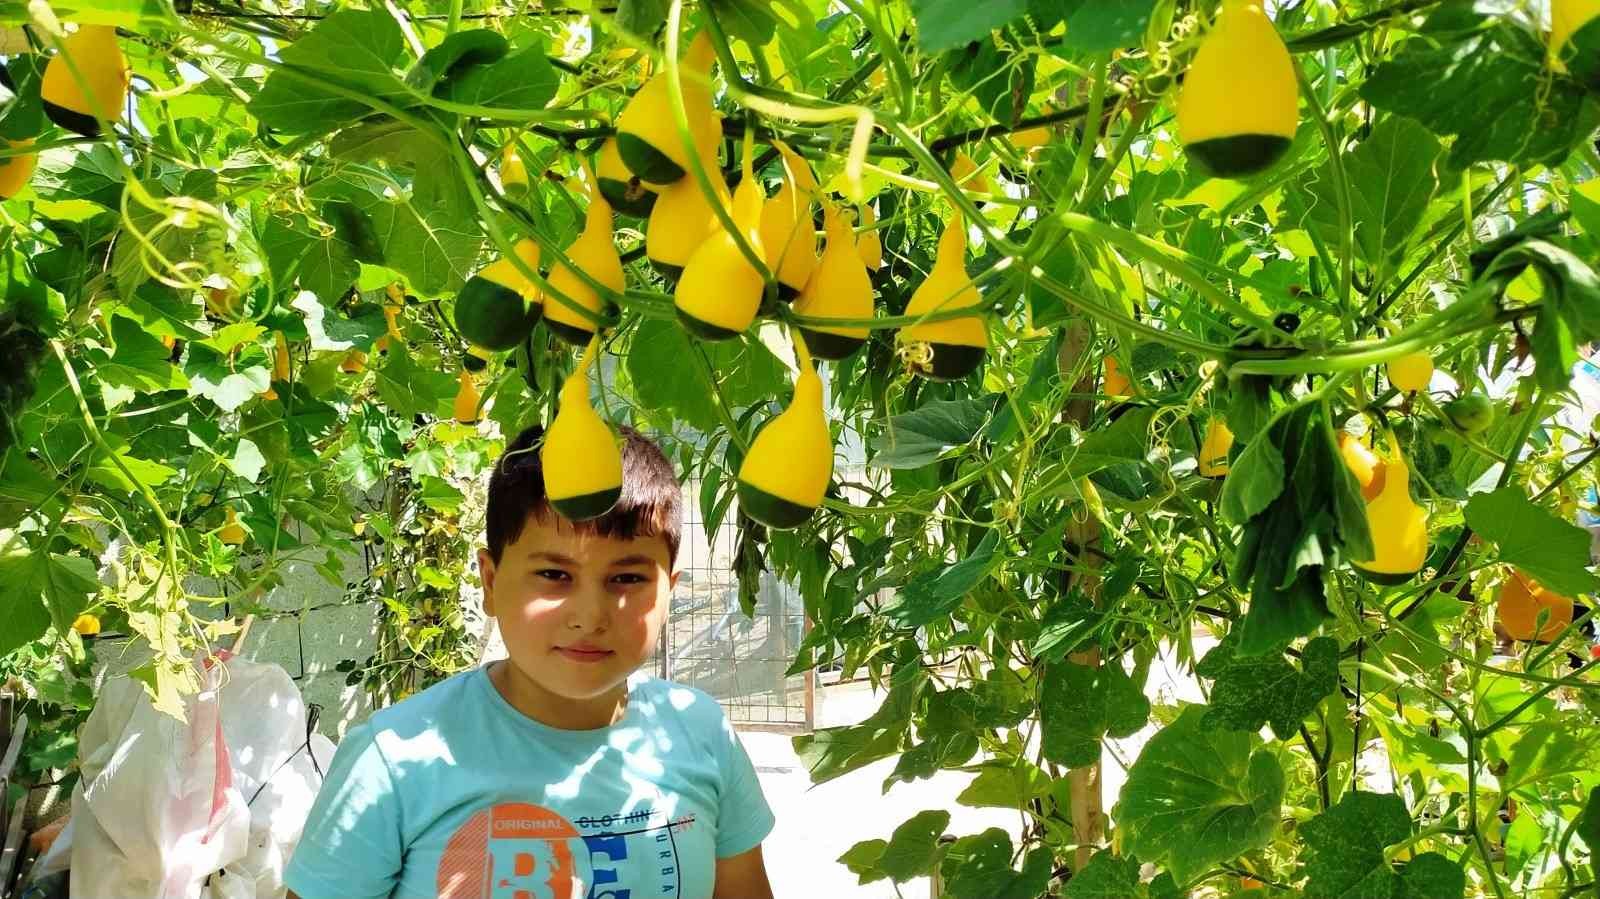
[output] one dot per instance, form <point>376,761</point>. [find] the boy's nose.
<point>592,612</point>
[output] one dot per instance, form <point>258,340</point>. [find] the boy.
<point>560,772</point>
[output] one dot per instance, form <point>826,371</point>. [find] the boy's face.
<point>579,612</point>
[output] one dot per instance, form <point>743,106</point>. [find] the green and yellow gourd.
<point>785,474</point>
<point>1575,39</point>
<point>1411,372</point>
<point>787,233</point>
<point>465,407</point>
<point>952,348</point>
<point>681,219</point>
<point>647,131</point>
<point>580,457</point>
<point>594,252</point>
<point>720,291</point>
<point>1239,105</point>
<point>838,288</point>
<point>1399,527</point>
<point>81,105</point>
<point>621,188</point>
<point>513,172</point>
<point>499,305</point>
<point>1214,449</point>
<point>16,171</point>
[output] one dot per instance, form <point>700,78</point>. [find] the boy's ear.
<point>672,582</point>
<point>486,575</point>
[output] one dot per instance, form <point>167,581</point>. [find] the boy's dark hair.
<point>651,503</point>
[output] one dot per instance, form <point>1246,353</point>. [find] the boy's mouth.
<point>583,653</point>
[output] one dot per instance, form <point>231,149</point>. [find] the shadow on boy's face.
<point>578,611</point>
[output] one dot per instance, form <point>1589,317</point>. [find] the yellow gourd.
<point>499,305</point>
<point>580,457</point>
<point>467,399</point>
<point>787,234</point>
<point>967,175</point>
<point>231,532</point>
<point>838,288</point>
<point>869,246</point>
<point>280,357</point>
<point>1239,106</point>
<point>1116,384</point>
<point>86,625</point>
<point>1399,527</point>
<point>513,173</point>
<point>626,193</point>
<point>681,219</point>
<point>1214,449</point>
<point>1367,467</point>
<point>785,474</point>
<point>1575,39</point>
<point>354,362</point>
<point>720,290</point>
<point>647,131</point>
<point>391,316</point>
<point>1031,138</point>
<point>1519,602</point>
<point>16,171</point>
<point>1411,372</point>
<point>952,348</point>
<point>595,253</point>
<point>104,72</point>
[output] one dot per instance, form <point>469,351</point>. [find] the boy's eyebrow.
<point>559,559</point>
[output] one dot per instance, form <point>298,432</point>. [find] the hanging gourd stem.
<point>680,117</point>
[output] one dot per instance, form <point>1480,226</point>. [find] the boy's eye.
<point>631,578</point>
<point>552,574</point>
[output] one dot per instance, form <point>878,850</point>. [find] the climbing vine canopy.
<point>1242,338</point>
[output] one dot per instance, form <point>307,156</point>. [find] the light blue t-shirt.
<point>454,793</point>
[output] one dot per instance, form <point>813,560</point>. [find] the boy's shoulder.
<point>675,700</point>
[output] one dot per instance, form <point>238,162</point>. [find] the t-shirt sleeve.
<point>743,816</point>
<point>351,847</point>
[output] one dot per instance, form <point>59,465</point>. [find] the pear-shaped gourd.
<point>838,288</point>
<point>720,290</point>
<point>787,234</point>
<point>580,457</point>
<point>1411,372</point>
<point>98,90</point>
<point>280,356</point>
<point>785,474</point>
<point>1399,528</point>
<point>968,176</point>
<point>391,315</point>
<point>498,306</point>
<point>355,362</point>
<point>231,532</point>
<point>869,246</point>
<point>626,193</point>
<point>16,171</point>
<point>1575,39</point>
<point>1520,603</point>
<point>1214,449</point>
<point>647,131</point>
<point>952,348</point>
<point>1116,384</point>
<point>1239,105</point>
<point>513,172</point>
<point>467,398</point>
<point>679,223</point>
<point>595,253</point>
<point>1363,464</point>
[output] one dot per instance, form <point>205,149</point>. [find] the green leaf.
<point>943,24</point>
<point>1107,877</point>
<point>23,117</point>
<point>1256,690</point>
<point>749,20</point>
<point>339,332</point>
<point>1344,852</point>
<point>1585,205</point>
<point>410,390</point>
<point>979,867</point>
<point>862,858</point>
<point>1488,87</point>
<point>829,752</point>
<point>247,460</point>
<point>911,847</point>
<point>973,68</point>
<point>913,439</point>
<point>213,376</point>
<point>24,490</point>
<point>1106,25</point>
<point>355,49</point>
<point>68,174</point>
<point>441,495</point>
<point>139,362</point>
<point>1080,705</point>
<point>1588,823</point>
<point>37,589</point>
<point>1125,440</point>
<point>641,18</point>
<point>1006,785</point>
<point>106,471</point>
<point>1552,551</point>
<point>933,595</point>
<point>523,80</point>
<point>1254,481</point>
<point>746,370</point>
<point>1197,796</point>
<point>456,54</point>
<point>1391,180</point>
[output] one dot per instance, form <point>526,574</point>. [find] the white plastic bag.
<point>211,807</point>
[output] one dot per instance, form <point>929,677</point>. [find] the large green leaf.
<point>1198,796</point>
<point>913,439</point>
<point>353,49</point>
<point>1256,690</point>
<point>523,80</point>
<point>139,363</point>
<point>910,852</point>
<point>1345,846</point>
<point>1109,877</point>
<point>935,594</point>
<point>409,389</point>
<point>1552,551</point>
<point>1080,705</point>
<point>665,377</point>
<point>38,589</point>
<point>979,867</point>
<point>1487,86</point>
<point>942,24</point>
<point>1105,25</point>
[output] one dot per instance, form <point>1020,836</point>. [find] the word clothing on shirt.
<point>455,794</point>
